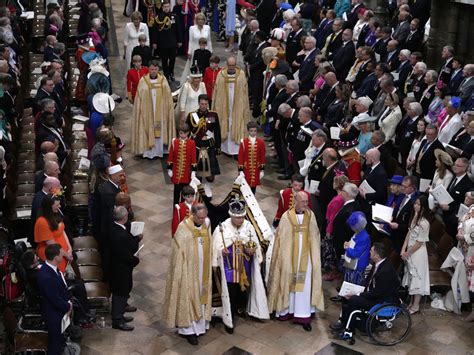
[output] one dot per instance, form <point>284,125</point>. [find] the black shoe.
<point>123,326</point>
<point>130,309</point>
<point>192,339</point>
<point>336,299</point>
<point>229,330</point>
<point>284,177</point>
<point>280,171</point>
<point>307,327</point>
<point>336,326</point>
<point>127,319</point>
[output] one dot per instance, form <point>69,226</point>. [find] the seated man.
<point>382,286</point>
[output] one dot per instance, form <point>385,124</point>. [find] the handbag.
<point>352,264</point>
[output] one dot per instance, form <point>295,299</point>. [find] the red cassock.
<point>287,201</point>
<point>180,212</point>
<point>133,78</point>
<point>209,79</point>
<point>182,160</point>
<point>251,160</point>
<point>353,167</point>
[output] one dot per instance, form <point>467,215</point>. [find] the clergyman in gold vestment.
<point>294,282</point>
<point>153,124</point>
<point>189,285</point>
<point>231,102</point>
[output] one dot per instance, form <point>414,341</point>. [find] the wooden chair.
<point>88,258</point>
<point>98,294</point>
<point>24,201</point>
<point>22,342</point>
<point>440,279</point>
<point>80,188</point>
<point>25,178</point>
<point>26,156</point>
<point>26,167</point>
<point>91,273</point>
<point>27,147</point>
<point>25,189</point>
<point>85,243</point>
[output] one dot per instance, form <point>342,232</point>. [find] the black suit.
<point>404,137</point>
<point>377,178</point>
<point>426,159</point>
<point>272,113</point>
<point>352,16</point>
<point>323,99</point>
<point>414,41</point>
<point>445,71</point>
<point>293,45</point>
<point>265,11</point>
<point>383,285</point>
<point>402,217</point>
<point>334,44</point>
<point>457,191</point>
<point>107,193</point>
<point>343,59</point>
<point>380,47</point>
<point>362,73</point>
<point>123,246</point>
<point>54,305</point>
<point>341,231</point>
<point>48,54</point>
<point>322,32</point>
<point>368,86</point>
<point>256,68</point>
<point>426,99</point>
<point>335,113</point>
<point>403,70</point>
<point>464,142</point>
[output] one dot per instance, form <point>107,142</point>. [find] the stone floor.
<point>433,332</point>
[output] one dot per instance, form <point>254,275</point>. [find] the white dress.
<point>300,302</point>
<point>195,34</point>
<point>130,39</point>
<point>414,149</point>
<point>437,181</point>
<point>417,274</point>
<point>188,98</point>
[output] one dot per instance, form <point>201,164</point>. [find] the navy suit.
<point>454,83</point>
<point>367,86</point>
<point>322,32</point>
<point>307,71</point>
<point>54,305</point>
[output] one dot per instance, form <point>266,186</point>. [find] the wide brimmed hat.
<point>88,57</point>
<point>443,157</point>
<point>237,208</point>
<point>396,180</point>
<point>278,34</point>
<point>363,118</point>
<point>103,103</point>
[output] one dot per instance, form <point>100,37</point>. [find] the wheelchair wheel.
<point>389,324</point>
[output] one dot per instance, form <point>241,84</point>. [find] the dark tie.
<point>453,184</point>
<point>425,147</point>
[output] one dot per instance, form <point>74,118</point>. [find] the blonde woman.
<point>197,31</point>
<point>131,32</point>
<point>391,116</point>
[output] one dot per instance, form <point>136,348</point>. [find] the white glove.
<point>170,173</point>
<point>262,174</point>
<point>193,175</point>
<point>241,174</point>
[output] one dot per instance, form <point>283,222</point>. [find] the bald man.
<point>376,177</point>
<point>45,148</point>
<point>51,169</point>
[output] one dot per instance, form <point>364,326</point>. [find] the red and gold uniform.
<point>209,79</point>
<point>182,160</point>
<point>285,202</point>
<point>133,78</point>
<point>251,159</point>
<point>181,211</point>
<point>353,166</point>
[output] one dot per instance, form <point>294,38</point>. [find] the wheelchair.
<point>385,324</point>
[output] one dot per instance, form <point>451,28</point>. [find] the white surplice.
<point>228,146</point>
<point>300,302</point>
<point>201,325</point>
<point>158,149</point>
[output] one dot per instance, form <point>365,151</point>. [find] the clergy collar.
<point>121,225</point>
<point>347,202</point>
<point>113,183</point>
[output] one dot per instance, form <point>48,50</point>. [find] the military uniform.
<point>181,160</point>
<point>166,35</point>
<point>251,160</point>
<point>206,133</point>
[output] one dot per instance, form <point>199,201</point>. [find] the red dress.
<point>182,160</point>
<point>180,212</point>
<point>209,79</point>
<point>251,160</point>
<point>133,78</point>
<point>287,201</point>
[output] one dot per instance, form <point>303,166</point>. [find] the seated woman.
<point>415,255</point>
<point>49,229</point>
<point>357,249</point>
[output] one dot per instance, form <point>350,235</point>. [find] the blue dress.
<point>361,252</point>
<point>230,18</point>
<point>364,142</point>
